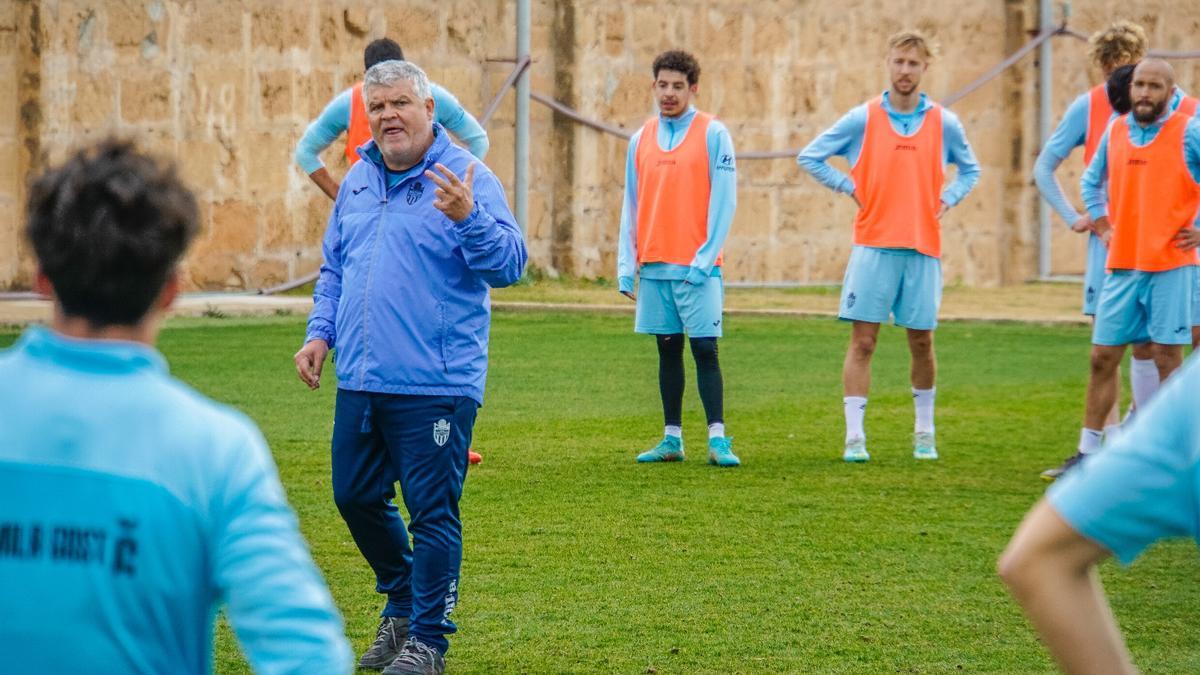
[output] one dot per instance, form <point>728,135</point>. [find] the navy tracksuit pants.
<point>422,441</point>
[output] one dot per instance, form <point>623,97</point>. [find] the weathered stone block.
<point>614,22</point>
<point>314,91</point>
<point>631,92</point>
<point>465,28</point>
<point>8,95</point>
<point>214,99</point>
<point>279,227</point>
<point>146,96</point>
<point>215,26</point>
<point>275,94</point>
<point>10,170</point>
<point>280,26</point>
<point>235,227</point>
<point>417,27</point>
<point>95,102</point>
<point>465,82</point>
<point>9,16</point>
<point>266,273</point>
<point>755,216</point>
<point>128,22</point>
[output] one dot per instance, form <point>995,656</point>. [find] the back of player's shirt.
<point>104,571</point>
<point>130,507</point>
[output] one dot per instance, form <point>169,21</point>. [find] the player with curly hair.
<point>680,195</point>
<point>1121,44</point>
<point>133,506</point>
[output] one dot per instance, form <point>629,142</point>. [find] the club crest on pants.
<point>441,432</point>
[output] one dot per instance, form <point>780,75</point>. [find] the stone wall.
<point>226,88</point>
<point>11,150</point>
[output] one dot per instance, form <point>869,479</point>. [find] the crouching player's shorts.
<point>899,282</point>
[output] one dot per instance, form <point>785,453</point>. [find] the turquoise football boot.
<point>669,449</point>
<point>923,445</point>
<point>720,452</point>
<point>856,450</point>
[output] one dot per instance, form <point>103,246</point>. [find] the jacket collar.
<point>370,153</point>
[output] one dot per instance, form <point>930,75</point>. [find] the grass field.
<point>578,560</point>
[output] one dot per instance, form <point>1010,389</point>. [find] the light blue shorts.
<point>898,282</point>
<point>1140,306</point>
<point>1093,275</point>
<point>666,307</point>
<point>1196,298</point>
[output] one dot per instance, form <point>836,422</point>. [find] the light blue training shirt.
<point>1094,181</point>
<point>1145,486</point>
<point>1070,133</point>
<point>131,509</point>
<point>722,203</point>
<point>845,139</point>
<point>335,119</point>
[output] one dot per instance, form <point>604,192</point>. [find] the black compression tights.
<point>671,378</point>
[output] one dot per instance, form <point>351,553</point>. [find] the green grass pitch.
<point>578,560</point>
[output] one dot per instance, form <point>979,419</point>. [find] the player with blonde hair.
<point>898,145</point>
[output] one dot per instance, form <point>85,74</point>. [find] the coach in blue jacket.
<point>418,233</point>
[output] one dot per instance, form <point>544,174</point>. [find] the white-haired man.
<point>410,253</point>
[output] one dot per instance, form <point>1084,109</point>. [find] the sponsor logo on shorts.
<point>717,322</point>
<point>441,432</point>
<point>1181,330</point>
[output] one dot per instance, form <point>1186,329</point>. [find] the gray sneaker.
<point>1051,475</point>
<point>389,638</point>
<point>417,658</point>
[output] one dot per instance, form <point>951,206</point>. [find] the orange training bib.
<point>1188,106</point>
<point>898,180</point>
<point>672,195</point>
<point>359,129</point>
<point>1151,197</point>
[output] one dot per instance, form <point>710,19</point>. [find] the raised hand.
<point>454,196</point>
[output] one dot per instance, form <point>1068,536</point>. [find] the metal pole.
<point>1045,82</point>
<point>521,155</point>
